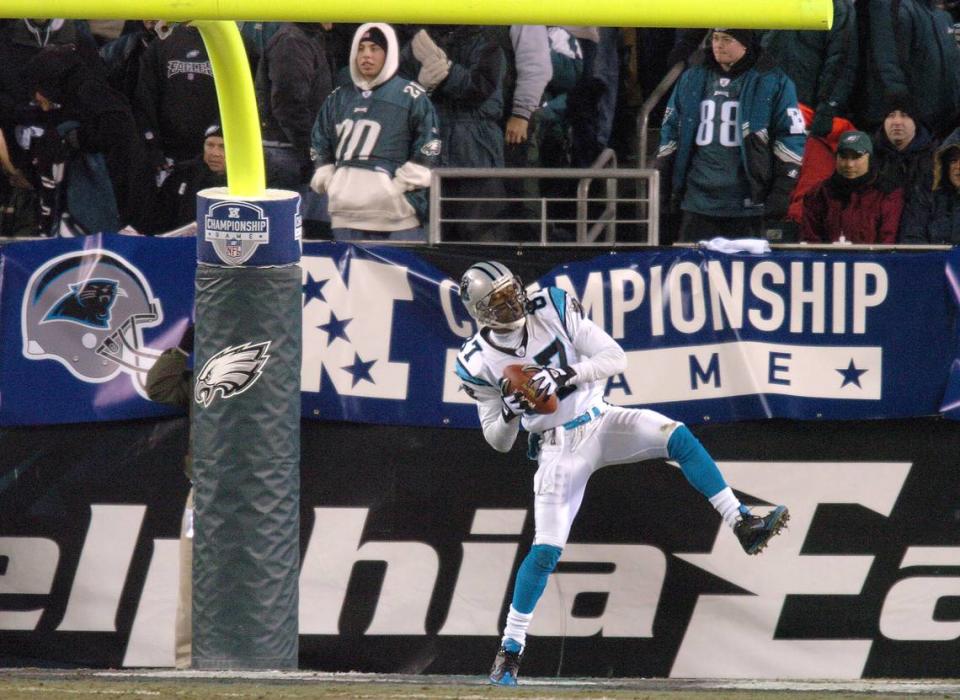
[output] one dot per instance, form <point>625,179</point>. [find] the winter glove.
<point>433,73</point>
<point>321,178</point>
<point>822,123</point>
<point>434,64</point>
<point>514,403</point>
<point>425,48</point>
<point>549,380</point>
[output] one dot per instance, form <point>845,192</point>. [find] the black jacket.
<point>910,61</point>
<point>934,215</point>
<point>176,99</point>
<point>293,79</point>
<point>106,123</point>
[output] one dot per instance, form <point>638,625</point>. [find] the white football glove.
<point>514,403</point>
<point>321,178</point>
<point>548,380</point>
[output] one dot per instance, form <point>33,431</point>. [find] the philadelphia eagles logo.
<point>231,371</point>
<point>431,148</point>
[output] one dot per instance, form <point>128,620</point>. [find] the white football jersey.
<point>554,321</point>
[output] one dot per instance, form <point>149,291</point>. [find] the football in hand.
<point>520,381</point>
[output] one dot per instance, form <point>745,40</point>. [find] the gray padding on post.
<point>246,462</point>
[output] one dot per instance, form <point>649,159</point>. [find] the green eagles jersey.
<point>717,183</point>
<point>381,128</point>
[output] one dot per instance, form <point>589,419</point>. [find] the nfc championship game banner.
<point>410,537</point>
<point>711,337</point>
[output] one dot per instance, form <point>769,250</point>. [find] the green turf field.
<point>44,684</point>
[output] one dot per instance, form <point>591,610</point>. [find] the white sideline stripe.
<point>60,691</point>
<point>873,685</point>
<point>854,686</point>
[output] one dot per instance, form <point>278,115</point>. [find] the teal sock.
<point>695,463</point>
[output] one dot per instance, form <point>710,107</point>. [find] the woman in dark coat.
<point>934,215</point>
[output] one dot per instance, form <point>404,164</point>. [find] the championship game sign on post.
<point>236,231</point>
<point>246,431</point>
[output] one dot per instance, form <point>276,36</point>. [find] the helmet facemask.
<point>494,296</point>
<point>504,308</point>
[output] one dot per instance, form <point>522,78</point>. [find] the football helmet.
<point>494,296</point>
<point>87,310</point>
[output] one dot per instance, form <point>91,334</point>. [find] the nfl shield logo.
<point>236,230</point>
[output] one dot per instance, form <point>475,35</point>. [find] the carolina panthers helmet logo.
<point>231,371</point>
<point>87,303</point>
<point>87,310</point>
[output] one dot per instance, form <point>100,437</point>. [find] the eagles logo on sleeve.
<point>231,371</point>
<point>87,310</point>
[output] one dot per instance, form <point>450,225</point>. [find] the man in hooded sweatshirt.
<point>731,141</point>
<point>375,140</point>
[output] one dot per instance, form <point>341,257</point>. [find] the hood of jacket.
<point>389,65</point>
<point>939,161</point>
<point>28,33</point>
<point>50,71</point>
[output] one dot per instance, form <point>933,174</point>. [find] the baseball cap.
<point>856,141</point>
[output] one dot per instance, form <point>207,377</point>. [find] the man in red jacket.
<point>854,205</point>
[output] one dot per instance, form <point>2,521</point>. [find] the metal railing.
<point>643,119</point>
<point>607,221</point>
<point>545,221</point>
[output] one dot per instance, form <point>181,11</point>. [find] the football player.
<point>572,358</point>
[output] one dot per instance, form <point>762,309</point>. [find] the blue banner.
<point>951,400</point>
<point>808,335</point>
<point>82,321</point>
<point>710,337</point>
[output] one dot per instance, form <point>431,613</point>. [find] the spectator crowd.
<point>848,135</point>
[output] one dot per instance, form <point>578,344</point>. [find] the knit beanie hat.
<point>375,35</point>
<point>747,37</point>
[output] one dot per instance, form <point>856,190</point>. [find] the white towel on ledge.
<point>757,246</point>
